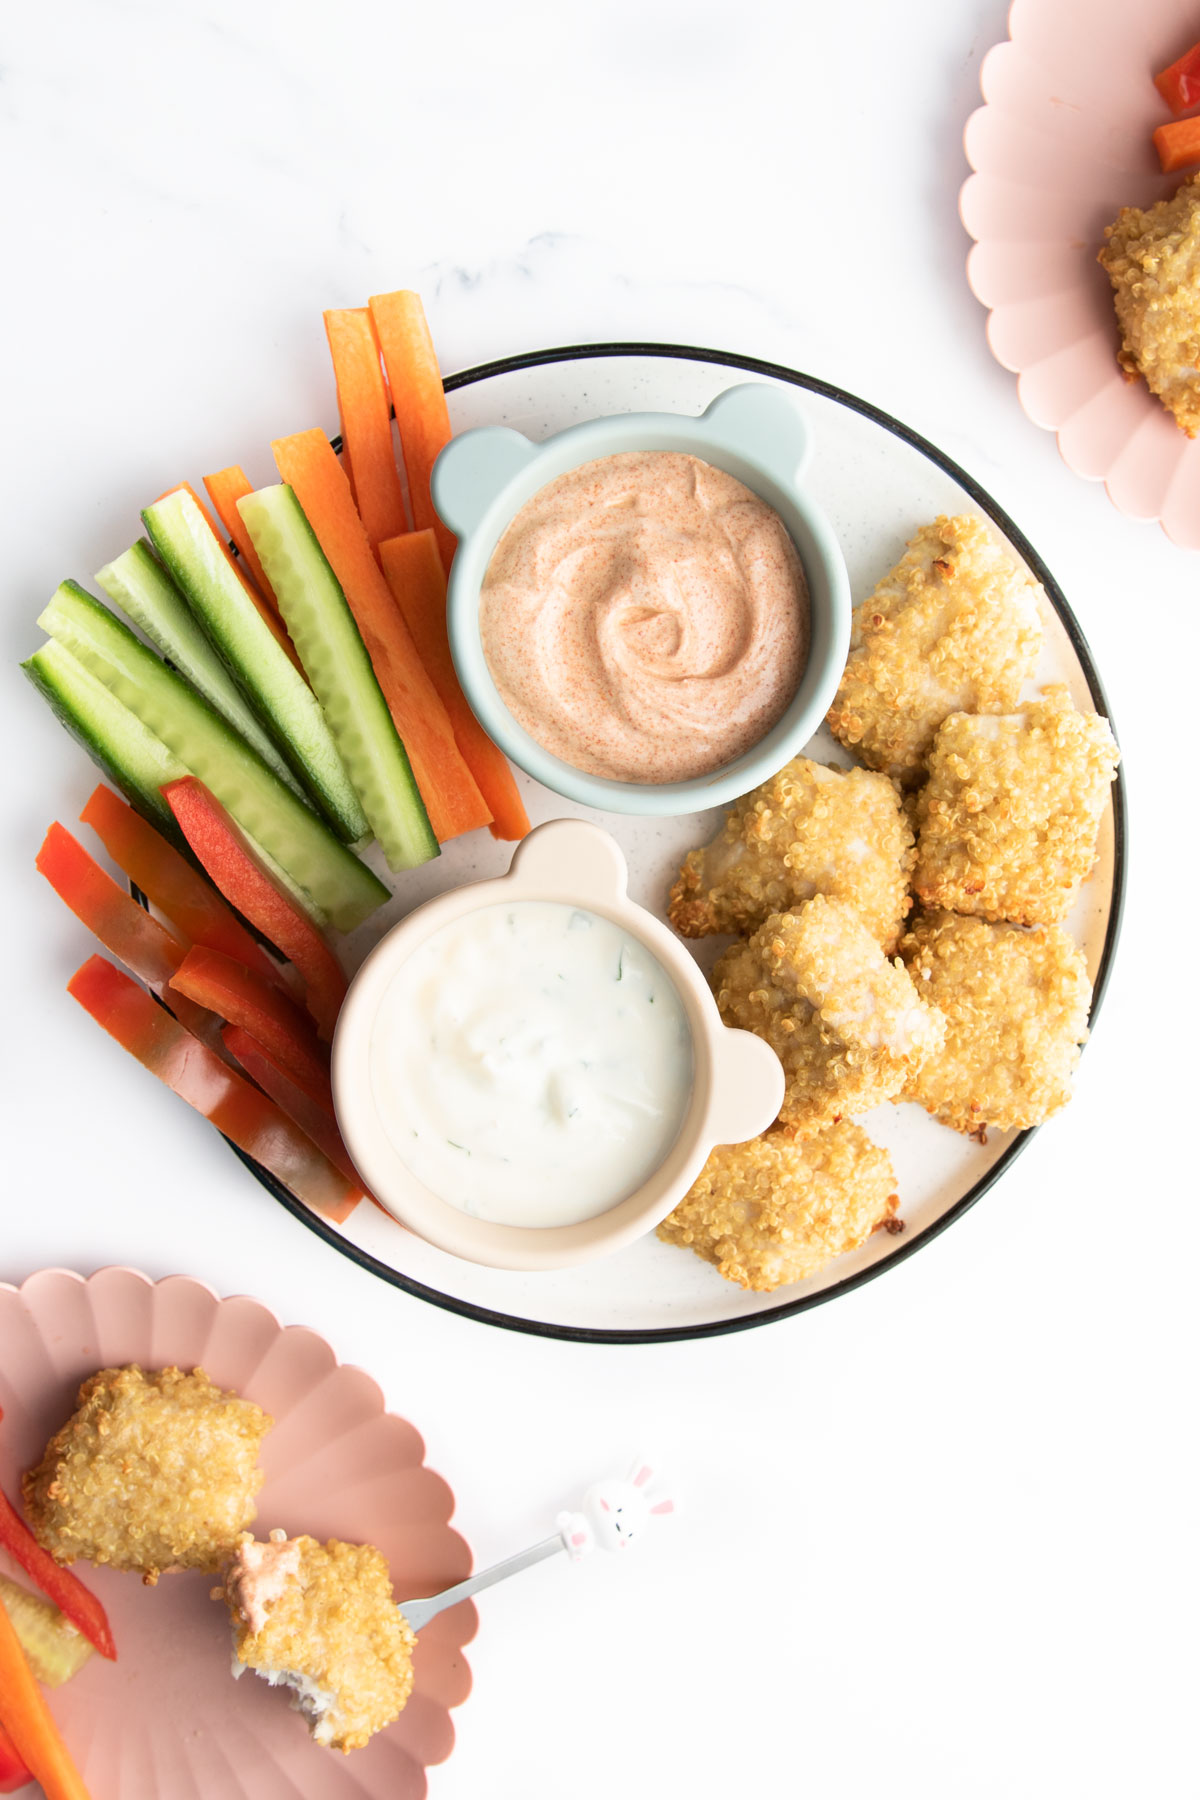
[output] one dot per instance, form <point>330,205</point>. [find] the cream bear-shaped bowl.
<point>737,1080</point>
<point>756,433</point>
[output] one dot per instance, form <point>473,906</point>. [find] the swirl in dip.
<point>645,617</point>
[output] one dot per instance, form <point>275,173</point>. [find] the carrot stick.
<point>308,464</point>
<point>1178,144</point>
<point>269,618</point>
<point>414,573</point>
<point>366,422</point>
<point>225,489</point>
<point>30,1723</point>
<point>419,399</point>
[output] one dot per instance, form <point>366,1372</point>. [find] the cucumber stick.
<point>141,587</point>
<point>56,1650</point>
<point>335,660</point>
<point>131,756</point>
<point>278,693</point>
<point>270,813</point>
<point>134,760</point>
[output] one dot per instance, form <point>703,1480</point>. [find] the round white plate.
<point>878,482</point>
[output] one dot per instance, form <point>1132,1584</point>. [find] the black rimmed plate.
<point>878,481</point>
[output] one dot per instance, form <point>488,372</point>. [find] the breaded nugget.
<point>954,627</point>
<point>320,1618</point>
<point>779,1208</point>
<point>154,1472</point>
<point>846,1023</point>
<point>1009,816</point>
<point>1153,261</point>
<point>1016,1005</point>
<point>809,830</point>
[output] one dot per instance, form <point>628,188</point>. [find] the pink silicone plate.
<point>166,1721</point>
<point>1062,144</point>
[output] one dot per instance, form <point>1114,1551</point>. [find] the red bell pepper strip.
<point>315,1120</point>
<point>74,1601</point>
<point>1180,84</point>
<point>115,917</point>
<point>235,869</point>
<point>227,988</point>
<point>13,1773</point>
<point>27,1719</point>
<point>196,910</point>
<point>198,1075</point>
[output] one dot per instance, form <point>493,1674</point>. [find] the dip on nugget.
<point>1016,1006</point>
<point>1007,821</point>
<point>320,1618</point>
<point>777,1209</point>
<point>153,1472</point>
<point>1152,259</point>
<point>809,830</point>
<point>955,627</point>
<point>847,1024</point>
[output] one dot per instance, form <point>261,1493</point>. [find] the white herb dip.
<point>532,1063</point>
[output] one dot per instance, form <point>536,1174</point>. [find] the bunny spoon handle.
<point>612,1513</point>
<point>419,1612</point>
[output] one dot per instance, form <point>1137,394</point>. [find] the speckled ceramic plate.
<point>877,482</point>
<point>1062,144</point>
<point>166,1721</point>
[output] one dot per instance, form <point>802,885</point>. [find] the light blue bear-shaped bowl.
<point>757,434</point>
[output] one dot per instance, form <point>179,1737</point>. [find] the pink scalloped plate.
<point>1062,144</point>
<point>166,1721</point>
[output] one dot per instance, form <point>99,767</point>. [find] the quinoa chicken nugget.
<point>1152,259</point>
<point>153,1472</point>
<point>1008,820</point>
<point>954,627</point>
<point>320,1618</point>
<point>808,830</point>
<point>1016,1006</point>
<point>777,1209</point>
<point>847,1024</point>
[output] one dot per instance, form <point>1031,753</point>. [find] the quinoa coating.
<point>153,1472</point>
<point>808,830</point>
<point>334,1632</point>
<point>1016,1005</point>
<point>1009,816</point>
<point>1152,259</point>
<point>847,1024</point>
<point>777,1209</point>
<point>954,627</point>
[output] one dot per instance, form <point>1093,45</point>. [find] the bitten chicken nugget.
<point>154,1472</point>
<point>1016,1006</point>
<point>809,830</point>
<point>779,1208</point>
<point>320,1618</point>
<point>954,627</point>
<point>1009,816</point>
<point>1152,259</point>
<point>847,1024</point>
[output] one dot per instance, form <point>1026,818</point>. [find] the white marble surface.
<point>937,1538</point>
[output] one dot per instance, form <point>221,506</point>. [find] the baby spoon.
<point>610,1514</point>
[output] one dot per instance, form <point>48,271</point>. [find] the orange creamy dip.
<point>645,617</point>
